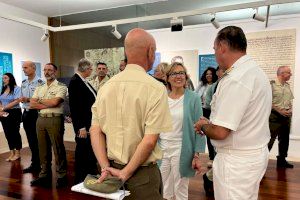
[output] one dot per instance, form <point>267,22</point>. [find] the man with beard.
<point>48,98</point>
<point>101,77</point>
<point>123,64</point>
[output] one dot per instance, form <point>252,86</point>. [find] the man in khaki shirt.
<point>130,111</point>
<point>101,77</point>
<point>123,64</point>
<point>280,117</point>
<point>48,99</point>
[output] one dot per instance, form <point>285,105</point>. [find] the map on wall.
<point>110,56</point>
<point>205,61</point>
<point>38,70</point>
<point>6,64</point>
<point>271,49</point>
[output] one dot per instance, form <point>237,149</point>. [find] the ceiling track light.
<point>215,22</point>
<point>258,17</point>
<point>176,24</point>
<point>45,35</point>
<point>115,32</point>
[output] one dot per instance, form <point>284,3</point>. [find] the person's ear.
<point>151,53</point>
<point>223,47</point>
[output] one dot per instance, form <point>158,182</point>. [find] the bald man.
<point>130,111</point>
<point>280,118</point>
<point>30,116</point>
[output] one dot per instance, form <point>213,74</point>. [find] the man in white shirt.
<point>239,126</point>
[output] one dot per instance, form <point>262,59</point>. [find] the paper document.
<point>116,196</point>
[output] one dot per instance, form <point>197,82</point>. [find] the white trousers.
<point>174,185</point>
<point>237,174</point>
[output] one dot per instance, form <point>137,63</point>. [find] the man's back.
<point>128,106</point>
<point>248,89</point>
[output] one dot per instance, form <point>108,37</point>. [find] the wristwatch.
<point>203,129</point>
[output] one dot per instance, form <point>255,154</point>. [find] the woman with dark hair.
<point>9,98</point>
<point>208,77</point>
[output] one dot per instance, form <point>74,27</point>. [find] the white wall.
<point>23,41</point>
<point>201,37</point>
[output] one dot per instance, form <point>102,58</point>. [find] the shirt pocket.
<point>51,94</point>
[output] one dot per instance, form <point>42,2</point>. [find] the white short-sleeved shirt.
<point>242,103</point>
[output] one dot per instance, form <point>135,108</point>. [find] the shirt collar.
<point>36,78</point>
<point>241,61</point>
<point>134,67</point>
<point>83,79</point>
<point>277,82</point>
<point>55,82</point>
<point>33,80</point>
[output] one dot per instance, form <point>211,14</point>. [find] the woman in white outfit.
<point>182,146</point>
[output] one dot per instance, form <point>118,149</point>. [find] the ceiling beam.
<point>200,11</point>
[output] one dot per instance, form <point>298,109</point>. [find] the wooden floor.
<point>277,184</point>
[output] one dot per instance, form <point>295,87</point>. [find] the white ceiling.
<point>52,8</point>
<point>80,12</point>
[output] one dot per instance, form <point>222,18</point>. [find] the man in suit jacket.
<point>81,98</point>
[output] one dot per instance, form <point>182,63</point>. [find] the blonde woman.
<point>182,146</point>
<point>160,73</point>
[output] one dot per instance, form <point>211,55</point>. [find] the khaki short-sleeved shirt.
<point>54,90</point>
<point>128,106</point>
<point>96,84</point>
<point>282,95</point>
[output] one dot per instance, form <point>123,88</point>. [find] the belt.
<point>28,110</point>
<point>121,166</point>
<point>50,114</point>
<point>241,152</point>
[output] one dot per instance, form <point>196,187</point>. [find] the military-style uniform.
<point>50,129</point>
<point>96,84</point>
<point>279,124</point>
<point>29,118</point>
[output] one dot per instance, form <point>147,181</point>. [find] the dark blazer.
<point>81,100</point>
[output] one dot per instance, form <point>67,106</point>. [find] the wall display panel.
<point>205,61</point>
<point>110,56</point>
<point>156,62</point>
<point>271,49</point>
<point>190,60</point>
<point>6,64</point>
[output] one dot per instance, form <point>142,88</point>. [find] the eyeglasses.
<point>174,74</point>
<point>287,72</point>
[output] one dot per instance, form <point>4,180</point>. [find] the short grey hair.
<point>281,69</point>
<point>83,65</point>
<point>33,65</point>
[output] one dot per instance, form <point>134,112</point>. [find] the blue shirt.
<point>7,98</point>
<point>27,88</point>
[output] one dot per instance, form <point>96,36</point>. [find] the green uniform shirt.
<point>282,95</point>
